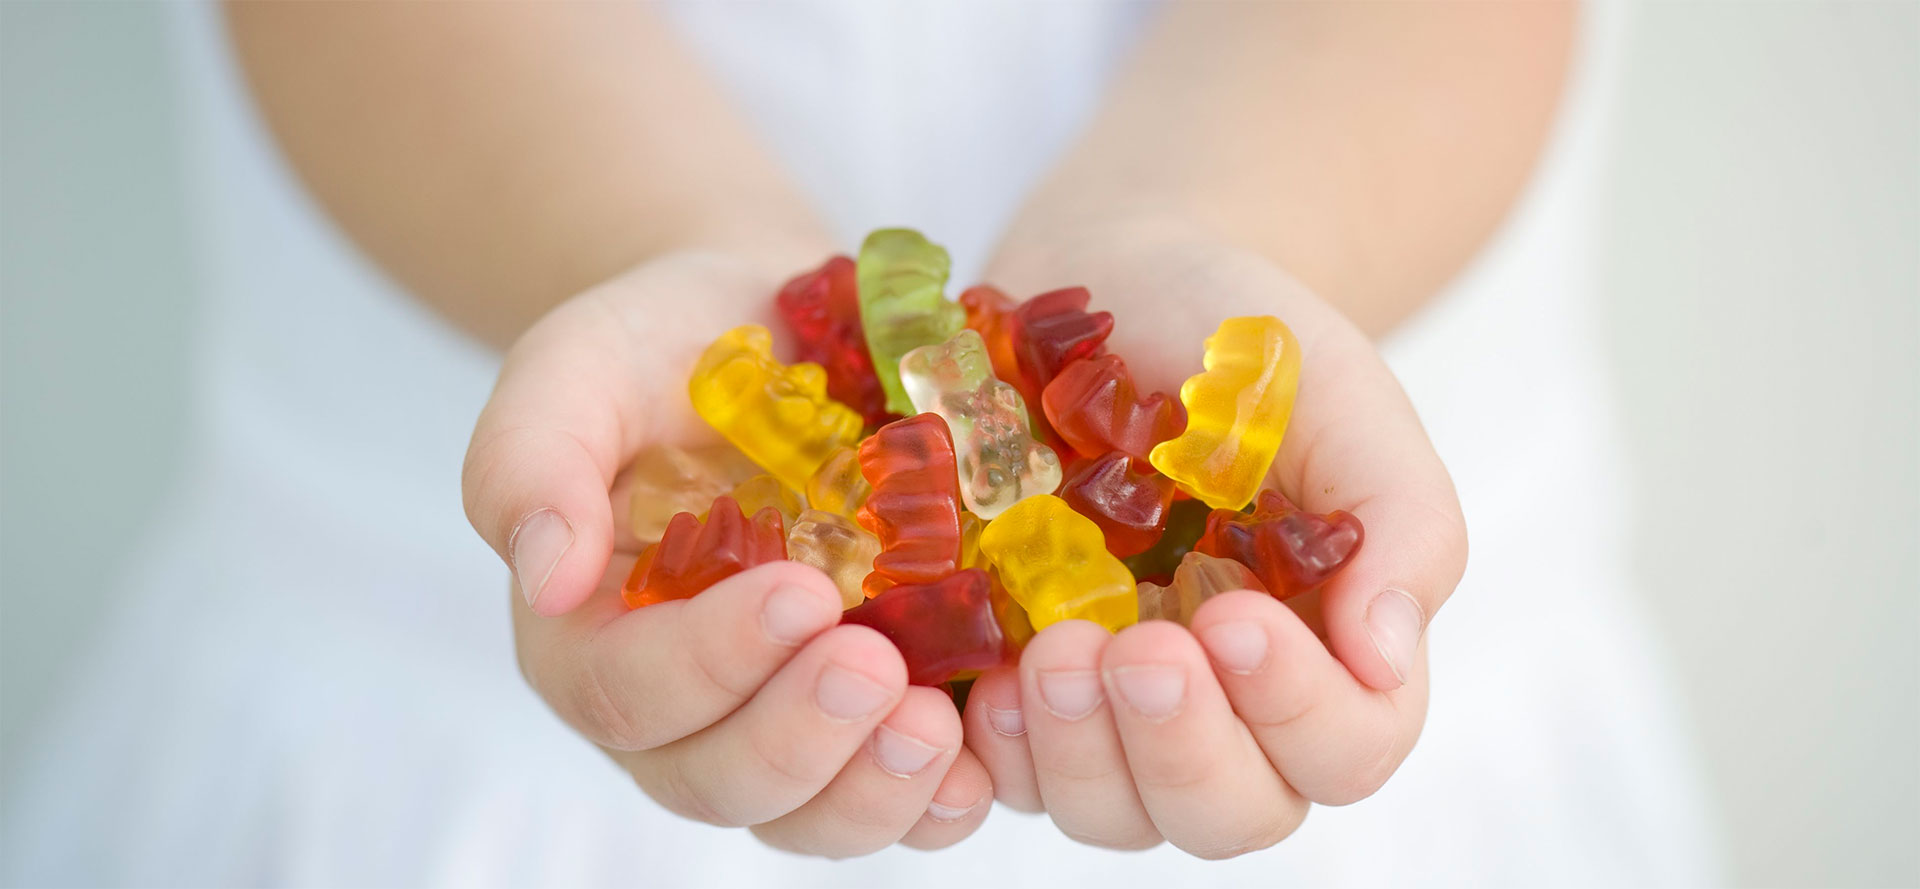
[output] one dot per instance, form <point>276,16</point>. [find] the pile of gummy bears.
<point>965,521</point>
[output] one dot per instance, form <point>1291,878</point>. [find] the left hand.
<point>1217,739</point>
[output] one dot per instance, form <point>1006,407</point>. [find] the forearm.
<point>497,158</point>
<point>1369,148</point>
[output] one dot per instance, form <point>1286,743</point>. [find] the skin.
<point>1307,160</point>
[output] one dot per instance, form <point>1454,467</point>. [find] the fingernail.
<point>848,696</point>
<point>535,547</point>
<point>791,616</point>
<point>1007,722</point>
<point>1237,646</point>
<point>1070,694</point>
<point>1153,690</point>
<point>950,814</point>
<point>902,755</point>
<point>1393,623</point>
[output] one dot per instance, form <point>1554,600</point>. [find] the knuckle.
<point>1077,770</point>
<point>1267,833</point>
<point>677,793</point>
<point>707,663</point>
<point>601,715</point>
<point>784,761</point>
<point>1144,837</point>
<point>1173,772</point>
<point>1375,760</point>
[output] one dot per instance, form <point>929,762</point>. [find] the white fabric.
<point>312,681</point>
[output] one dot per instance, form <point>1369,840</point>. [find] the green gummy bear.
<point>903,304</point>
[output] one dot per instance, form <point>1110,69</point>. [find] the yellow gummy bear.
<point>1054,562</point>
<point>1237,412</point>
<point>777,415</point>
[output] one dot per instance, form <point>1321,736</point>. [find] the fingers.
<point>959,806</point>
<point>1355,443</point>
<point>1080,768</point>
<point>997,733</point>
<point>637,680</point>
<point>773,754</point>
<point>1205,783</point>
<point>1334,739</point>
<point>577,395</point>
<point>886,788</point>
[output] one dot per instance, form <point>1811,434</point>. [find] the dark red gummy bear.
<point>1051,331</point>
<point>1292,551</point>
<point>915,505</point>
<point>1095,408</point>
<point>822,308</point>
<point>691,557</point>
<point>942,629</point>
<point>1130,506</point>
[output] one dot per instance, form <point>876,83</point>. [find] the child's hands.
<point>745,705</point>
<point>1217,739</point>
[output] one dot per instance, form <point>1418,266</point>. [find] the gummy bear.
<point>902,306</point>
<point>1130,506</point>
<point>999,460</point>
<point>990,314</point>
<point>943,628</point>
<point>842,550</point>
<point>763,491</point>
<point>1055,564</point>
<point>1014,624</point>
<point>778,415</point>
<point>1095,408</point>
<point>1291,550</point>
<point>970,554</point>
<point>692,556</point>
<point>1186,521</point>
<point>822,308</point>
<point>1055,329</point>
<point>837,486</point>
<point>668,480</point>
<point>1200,577</point>
<point>915,505</point>
<point>1237,412</point>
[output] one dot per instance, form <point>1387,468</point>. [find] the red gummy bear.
<point>915,505</point>
<point>1094,406</point>
<point>1129,506</point>
<point>942,629</point>
<point>1292,551</point>
<point>1051,331</point>
<point>691,557</point>
<point>822,308</point>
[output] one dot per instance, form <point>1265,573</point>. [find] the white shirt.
<point>312,681</point>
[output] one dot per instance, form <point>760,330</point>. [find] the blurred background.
<point>1763,271</point>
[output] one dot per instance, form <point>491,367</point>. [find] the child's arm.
<point>499,159</point>
<point>1332,164</point>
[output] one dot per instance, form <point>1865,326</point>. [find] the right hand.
<point>747,705</point>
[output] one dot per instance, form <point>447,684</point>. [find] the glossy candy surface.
<point>1237,412</point>
<point>1129,505</point>
<point>1055,564</point>
<point>668,480</point>
<point>1053,330</point>
<point>1186,521</point>
<point>842,550</point>
<point>777,415</point>
<point>1200,577</point>
<point>1095,408</point>
<point>822,309</point>
<point>999,461</point>
<point>1291,550</point>
<point>837,486</point>
<point>943,628</point>
<point>915,506</point>
<point>693,555</point>
<point>902,278</point>
<point>763,491</point>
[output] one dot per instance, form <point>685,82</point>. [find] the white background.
<point>1763,280</point>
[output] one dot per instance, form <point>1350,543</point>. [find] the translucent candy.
<point>763,491</point>
<point>1055,564</point>
<point>999,460</point>
<point>1237,412</point>
<point>1200,577</point>
<point>779,416</point>
<point>837,486</point>
<point>667,480</point>
<point>838,547</point>
<point>902,277</point>
<point>694,554</point>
